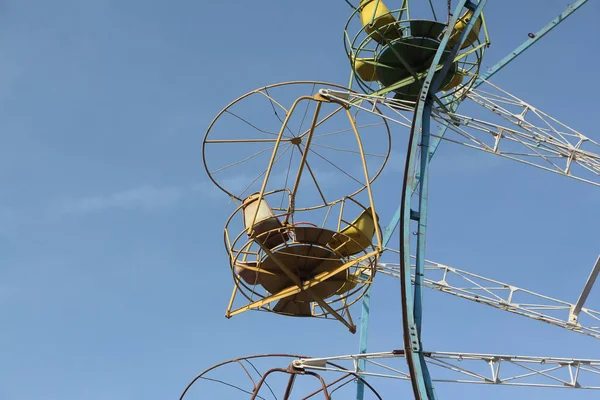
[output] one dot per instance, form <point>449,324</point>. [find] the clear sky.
<point>113,276</point>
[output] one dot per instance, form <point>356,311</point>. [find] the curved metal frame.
<point>239,248</point>
<point>306,286</point>
<point>280,138</point>
<point>292,370</point>
<point>419,153</point>
<point>362,40</point>
<point>394,221</point>
<point>369,257</point>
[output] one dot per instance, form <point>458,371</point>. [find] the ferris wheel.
<point>299,161</point>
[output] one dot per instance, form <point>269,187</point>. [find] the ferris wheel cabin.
<point>391,54</point>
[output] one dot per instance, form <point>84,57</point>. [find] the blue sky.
<point>113,275</point>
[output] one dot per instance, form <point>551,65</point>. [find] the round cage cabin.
<point>391,53</point>
<point>289,254</point>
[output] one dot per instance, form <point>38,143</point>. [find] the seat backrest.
<point>259,219</point>
<point>357,236</point>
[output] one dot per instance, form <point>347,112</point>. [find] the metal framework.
<point>416,209</point>
<point>491,369</point>
<point>528,135</point>
<point>568,147</point>
<point>240,150</point>
<point>520,132</point>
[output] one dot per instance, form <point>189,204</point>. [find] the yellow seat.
<point>365,69</point>
<point>357,236</point>
<point>261,223</point>
<point>376,17</point>
<point>460,26</point>
<point>248,275</point>
<point>305,261</point>
<point>456,80</point>
<point>351,281</point>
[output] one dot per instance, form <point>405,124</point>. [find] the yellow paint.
<point>256,212</point>
<point>460,26</point>
<point>376,19</point>
<point>456,80</point>
<point>365,69</point>
<point>350,284</point>
<point>357,236</point>
<point>248,275</point>
<point>261,223</point>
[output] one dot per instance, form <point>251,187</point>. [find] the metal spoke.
<point>273,102</point>
<point>243,160</point>
<point>314,178</point>
<point>348,129</point>
<point>265,170</point>
<point>347,150</point>
<point>312,92</point>
<point>324,119</point>
<point>250,124</point>
<point>336,167</point>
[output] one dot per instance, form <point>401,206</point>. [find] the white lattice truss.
<point>472,368</point>
<point>519,132</point>
<point>504,296</point>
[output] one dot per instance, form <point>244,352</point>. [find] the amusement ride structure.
<point>305,238</point>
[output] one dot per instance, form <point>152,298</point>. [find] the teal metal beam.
<point>416,209</point>
<point>366,308</point>
<point>533,38</point>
